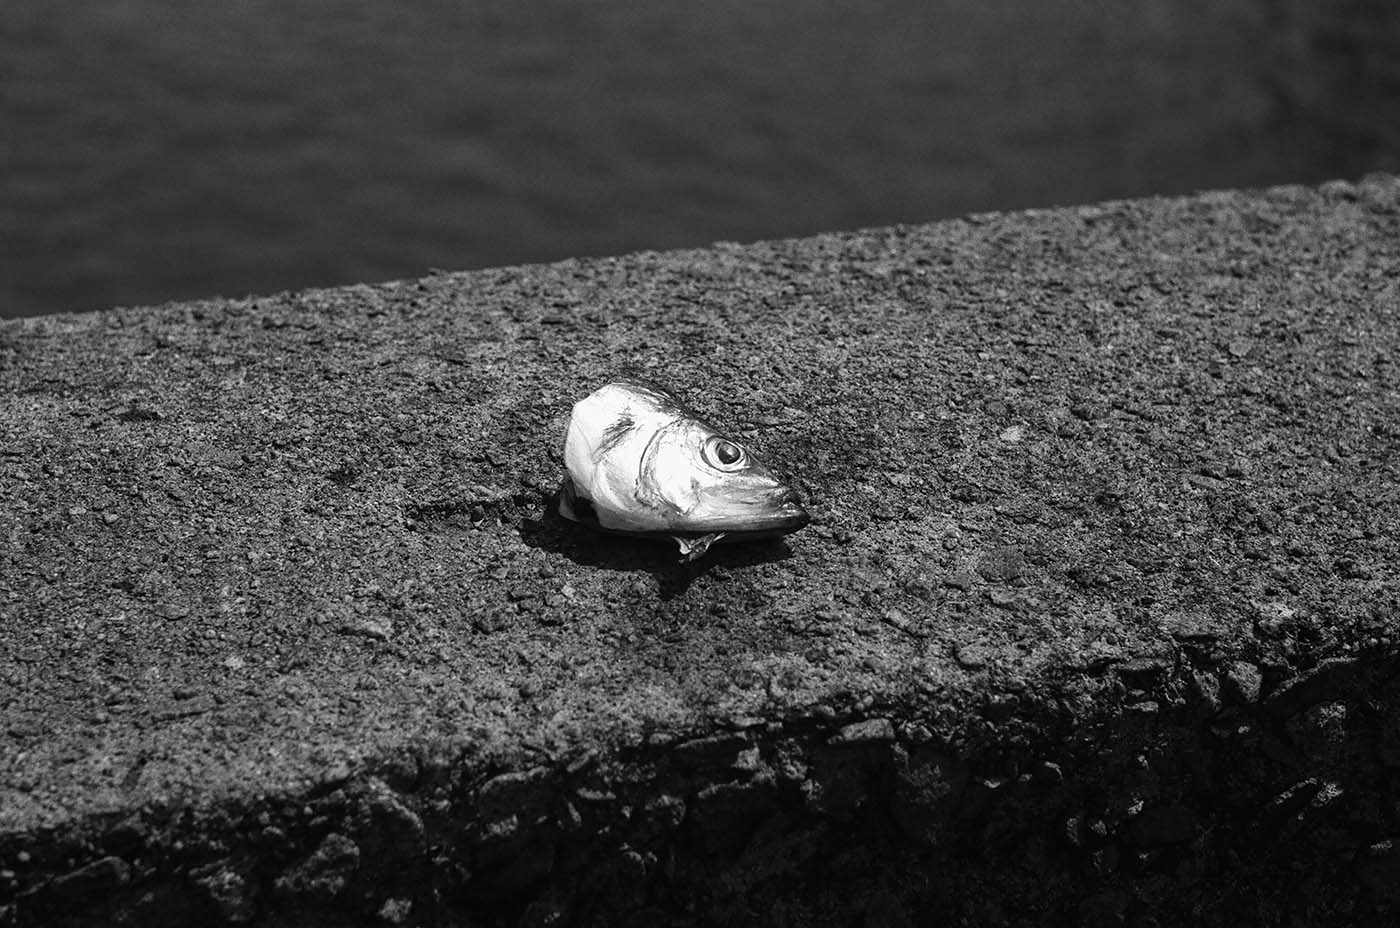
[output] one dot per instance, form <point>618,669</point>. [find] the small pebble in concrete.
<point>173,610</point>
<point>492,620</point>
<point>869,730</point>
<point>1002,564</point>
<point>324,874</point>
<point>1006,599</point>
<point>1001,707</point>
<point>370,627</point>
<point>975,656</point>
<point>396,910</point>
<point>1243,682</point>
<point>1204,690</point>
<point>900,621</point>
<point>960,581</point>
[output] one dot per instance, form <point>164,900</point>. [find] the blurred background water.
<point>154,150</point>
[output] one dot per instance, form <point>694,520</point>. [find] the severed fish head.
<point>640,462</point>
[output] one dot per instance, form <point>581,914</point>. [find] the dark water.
<point>152,150</point>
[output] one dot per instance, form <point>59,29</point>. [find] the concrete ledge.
<point>1098,619</point>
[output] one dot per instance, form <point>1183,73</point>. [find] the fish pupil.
<point>726,453</point>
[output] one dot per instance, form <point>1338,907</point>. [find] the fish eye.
<point>724,454</point>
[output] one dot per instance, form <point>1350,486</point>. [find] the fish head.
<point>706,481</point>
<point>640,461</point>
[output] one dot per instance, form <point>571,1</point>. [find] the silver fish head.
<point>640,461</point>
<point>706,481</point>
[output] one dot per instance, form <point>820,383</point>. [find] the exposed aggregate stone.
<point>1097,620</point>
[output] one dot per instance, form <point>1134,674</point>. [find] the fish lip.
<point>780,518</point>
<point>799,518</point>
<point>769,528</point>
<point>787,496</point>
<point>791,514</point>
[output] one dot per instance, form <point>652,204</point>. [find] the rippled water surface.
<point>154,150</point>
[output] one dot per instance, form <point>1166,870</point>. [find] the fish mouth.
<point>772,512</point>
<point>791,511</point>
<point>780,513</point>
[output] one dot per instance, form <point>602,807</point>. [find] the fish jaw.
<point>787,514</point>
<point>776,513</point>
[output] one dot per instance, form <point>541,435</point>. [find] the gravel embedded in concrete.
<point>284,600</point>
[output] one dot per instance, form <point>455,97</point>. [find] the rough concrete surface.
<point>1096,620</point>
